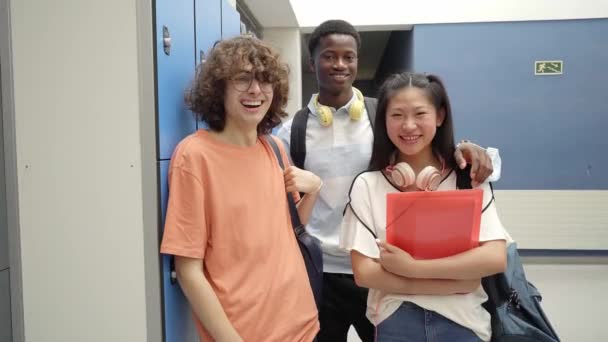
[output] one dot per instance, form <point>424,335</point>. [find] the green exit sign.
<point>548,67</point>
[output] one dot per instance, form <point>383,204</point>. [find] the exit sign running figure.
<point>548,67</point>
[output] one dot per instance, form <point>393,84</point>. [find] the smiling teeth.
<point>252,103</point>
<point>409,138</point>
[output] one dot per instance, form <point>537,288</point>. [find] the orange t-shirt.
<point>227,205</point>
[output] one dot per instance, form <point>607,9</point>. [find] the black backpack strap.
<point>463,181</point>
<point>293,210</point>
<point>297,144</point>
<point>463,178</point>
<point>370,105</point>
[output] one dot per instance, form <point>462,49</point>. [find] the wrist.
<point>413,269</point>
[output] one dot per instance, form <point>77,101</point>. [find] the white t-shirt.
<point>368,200</point>
<point>336,154</point>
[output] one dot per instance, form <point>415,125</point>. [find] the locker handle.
<point>166,41</point>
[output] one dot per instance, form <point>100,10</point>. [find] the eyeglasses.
<point>242,82</point>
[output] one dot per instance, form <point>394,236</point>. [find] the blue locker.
<point>208,26</point>
<point>179,326</point>
<point>208,23</point>
<point>231,21</point>
<point>175,70</point>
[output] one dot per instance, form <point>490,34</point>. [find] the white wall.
<point>287,42</point>
<point>383,14</point>
<point>77,111</point>
<point>574,298</point>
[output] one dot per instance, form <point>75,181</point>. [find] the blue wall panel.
<point>231,21</point>
<point>179,326</point>
<point>174,72</point>
<point>550,129</point>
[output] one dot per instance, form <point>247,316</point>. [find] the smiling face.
<point>247,99</point>
<point>411,122</point>
<point>335,63</point>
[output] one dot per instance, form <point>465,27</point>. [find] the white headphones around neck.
<point>355,111</point>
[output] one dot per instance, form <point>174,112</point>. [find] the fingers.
<point>460,161</point>
<point>289,179</point>
<point>290,171</point>
<point>289,174</point>
<point>474,165</point>
<point>290,187</point>
<point>485,168</point>
<point>385,246</point>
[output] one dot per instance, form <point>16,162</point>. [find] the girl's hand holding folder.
<point>395,259</point>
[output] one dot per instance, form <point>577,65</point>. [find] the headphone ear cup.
<point>428,179</point>
<point>325,116</point>
<point>403,175</point>
<point>356,110</point>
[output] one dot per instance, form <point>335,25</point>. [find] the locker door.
<point>231,21</point>
<point>175,54</point>
<point>208,27</point>
<point>175,70</point>
<point>179,326</point>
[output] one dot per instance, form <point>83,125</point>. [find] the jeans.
<point>344,304</point>
<point>411,323</point>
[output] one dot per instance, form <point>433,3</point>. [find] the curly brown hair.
<point>205,98</point>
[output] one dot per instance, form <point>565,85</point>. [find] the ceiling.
<point>279,13</point>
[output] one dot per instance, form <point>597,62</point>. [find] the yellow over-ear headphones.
<point>355,111</point>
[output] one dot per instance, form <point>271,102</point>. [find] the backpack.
<point>513,302</point>
<point>310,247</point>
<point>297,146</point>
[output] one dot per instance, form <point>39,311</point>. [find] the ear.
<point>440,116</point>
<point>311,64</point>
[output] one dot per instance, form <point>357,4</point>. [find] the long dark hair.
<point>443,142</point>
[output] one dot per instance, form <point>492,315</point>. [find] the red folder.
<point>434,224</point>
